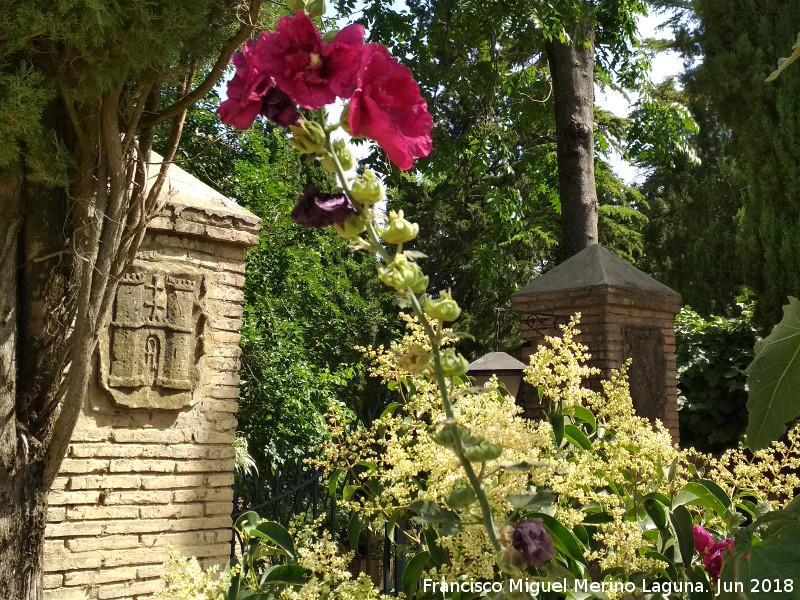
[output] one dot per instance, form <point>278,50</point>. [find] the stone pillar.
<point>151,459</point>
<point>624,314</point>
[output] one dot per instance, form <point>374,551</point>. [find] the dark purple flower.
<point>710,551</point>
<point>279,108</point>
<point>315,209</point>
<point>531,539</point>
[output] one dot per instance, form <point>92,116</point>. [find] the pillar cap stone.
<point>497,362</point>
<point>596,267</point>
<point>191,207</point>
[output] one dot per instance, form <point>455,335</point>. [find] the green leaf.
<point>577,437</point>
<point>773,560</point>
<point>556,419</point>
<point>246,522</point>
<point>413,572</point>
<point>277,534</point>
<point>705,494</point>
<point>681,522</point>
<point>582,414</point>
<point>390,410</point>
<point>334,482</point>
<point>532,502</point>
<point>354,532</point>
<point>461,495</point>
<point>774,380</point>
<point>657,512</point>
<point>292,574</point>
<point>427,512</point>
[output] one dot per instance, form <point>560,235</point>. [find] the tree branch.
<point>213,77</point>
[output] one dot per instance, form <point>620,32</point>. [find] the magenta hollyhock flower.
<point>532,541</point>
<point>312,72</point>
<point>246,90</point>
<point>710,551</point>
<point>279,108</point>
<point>315,209</point>
<point>387,107</point>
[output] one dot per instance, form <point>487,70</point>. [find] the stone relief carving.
<point>148,359</point>
<point>645,345</point>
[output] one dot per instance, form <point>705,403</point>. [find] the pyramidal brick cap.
<point>497,362</point>
<point>595,266</point>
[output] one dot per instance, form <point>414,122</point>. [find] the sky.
<point>664,65</point>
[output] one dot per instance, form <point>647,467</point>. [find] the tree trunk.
<point>23,504</point>
<point>572,70</point>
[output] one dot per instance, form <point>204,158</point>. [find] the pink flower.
<point>279,108</point>
<point>710,551</point>
<point>387,107</point>
<point>310,71</point>
<point>246,90</point>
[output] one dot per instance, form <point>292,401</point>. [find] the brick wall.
<point>136,479</point>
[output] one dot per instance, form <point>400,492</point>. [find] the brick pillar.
<point>151,459</point>
<point>624,314</point>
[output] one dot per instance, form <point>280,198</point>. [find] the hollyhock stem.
<point>433,337</point>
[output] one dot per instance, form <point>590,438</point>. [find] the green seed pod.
<point>399,229</point>
<point>308,137</point>
<point>352,226</point>
<point>415,360</point>
<point>315,8</point>
<point>444,308</point>
<point>453,364</point>
<point>461,495</point>
<point>367,189</point>
<point>295,5</point>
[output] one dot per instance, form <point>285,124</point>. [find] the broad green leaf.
<point>681,523</point>
<point>577,437</point>
<point>705,494</point>
<point>334,481</point>
<point>246,522</point>
<point>292,574</point>
<point>774,380</point>
<point>412,573</point>
<point>657,512</point>
<point>277,534</point>
<point>461,495</point>
<point>770,561</point>
<point>354,532</point>
<point>427,512</point>
<point>582,414</point>
<point>532,502</point>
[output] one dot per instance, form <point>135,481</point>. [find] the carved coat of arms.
<point>149,358</point>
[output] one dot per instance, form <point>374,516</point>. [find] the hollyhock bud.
<point>295,5</point>
<point>400,274</point>
<point>453,364</point>
<point>531,539</point>
<point>443,309</point>
<point>344,120</point>
<point>315,209</point>
<point>308,137</point>
<point>315,8</point>
<point>399,229</point>
<point>415,360</point>
<point>461,494</point>
<point>367,189</point>
<point>352,226</point>
<point>344,156</point>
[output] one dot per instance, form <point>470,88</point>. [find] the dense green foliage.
<point>490,198</point>
<point>308,300</point>
<point>737,44</point>
<point>712,356</point>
